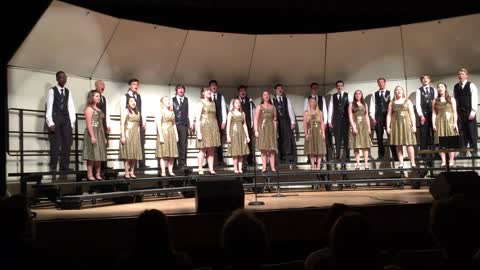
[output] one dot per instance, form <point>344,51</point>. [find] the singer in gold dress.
<point>265,126</point>
<point>206,125</point>
<point>359,138</point>
<point>314,129</point>
<point>130,147</point>
<point>167,136</point>
<point>444,119</point>
<point>94,140</point>
<point>237,135</point>
<point>401,125</point>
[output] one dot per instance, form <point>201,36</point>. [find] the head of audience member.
<point>398,93</point>
<point>381,82</point>
<point>166,103</point>
<point>17,225</point>
<point>213,85</point>
<point>206,93</point>
<point>242,91</point>
<point>462,75</point>
<point>425,79</point>
<point>352,244</point>
<point>244,240</point>
<point>266,97</point>
<point>279,89</point>
<point>132,105</point>
<point>93,99</point>
<point>314,89</point>
<point>334,212</point>
<point>454,223</point>
<point>100,86</point>
<point>152,233</point>
<point>133,85</point>
<point>237,105</point>
<point>61,78</point>
<point>180,90</point>
<point>339,85</point>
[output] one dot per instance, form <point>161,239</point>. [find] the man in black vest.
<point>339,121</point>
<point>286,125</point>
<point>248,107</point>
<point>133,85</point>
<point>423,104</point>
<point>221,109</point>
<point>322,106</point>
<point>100,87</point>
<point>183,121</point>
<point>378,113</point>
<point>60,118</point>
<point>466,95</point>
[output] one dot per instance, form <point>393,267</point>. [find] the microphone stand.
<point>255,202</point>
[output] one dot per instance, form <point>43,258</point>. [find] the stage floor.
<point>295,199</point>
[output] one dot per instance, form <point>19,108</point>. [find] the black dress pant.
<point>141,163</point>
<point>379,131</point>
<point>250,156</point>
<point>61,137</point>
<point>426,133</point>
<point>182,144</point>
<point>219,149</point>
<point>285,140</point>
<point>340,132</point>
<point>103,164</point>
<point>468,130</point>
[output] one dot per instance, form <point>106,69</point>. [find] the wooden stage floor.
<point>295,199</point>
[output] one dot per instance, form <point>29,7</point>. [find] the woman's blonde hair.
<point>163,106</point>
<point>233,105</point>
<point>317,110</point>
<point>403,92</point>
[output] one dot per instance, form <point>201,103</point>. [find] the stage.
<point>299,198</point>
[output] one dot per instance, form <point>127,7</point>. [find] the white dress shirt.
<point>324,108</point>
<point>372,108</point>
<point>291,113</point>
<point>330,105</point>
<point>71,107</point>
<point>418,99</point>
<point>191,114</point>
<point>224,108</point>
<point>123,106</point>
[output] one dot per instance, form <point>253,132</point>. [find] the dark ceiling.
<point>277,16</point>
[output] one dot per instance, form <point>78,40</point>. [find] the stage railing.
<point>21,152</point>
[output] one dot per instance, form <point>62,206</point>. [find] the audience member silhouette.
<point>153,246</point>
<point>244,240</point>
<point>334,212</point>
<point>352,244</point>
<point>455,227</point>
<point>17,233</point>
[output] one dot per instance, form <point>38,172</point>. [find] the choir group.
<point>269,125</point>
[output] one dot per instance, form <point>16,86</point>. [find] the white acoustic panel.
<point>442,47</point>
<point>145,51</point>
<point>288,59</point>
<point>364,55</point>
<point>67,38</point>
<point>210,55</point>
